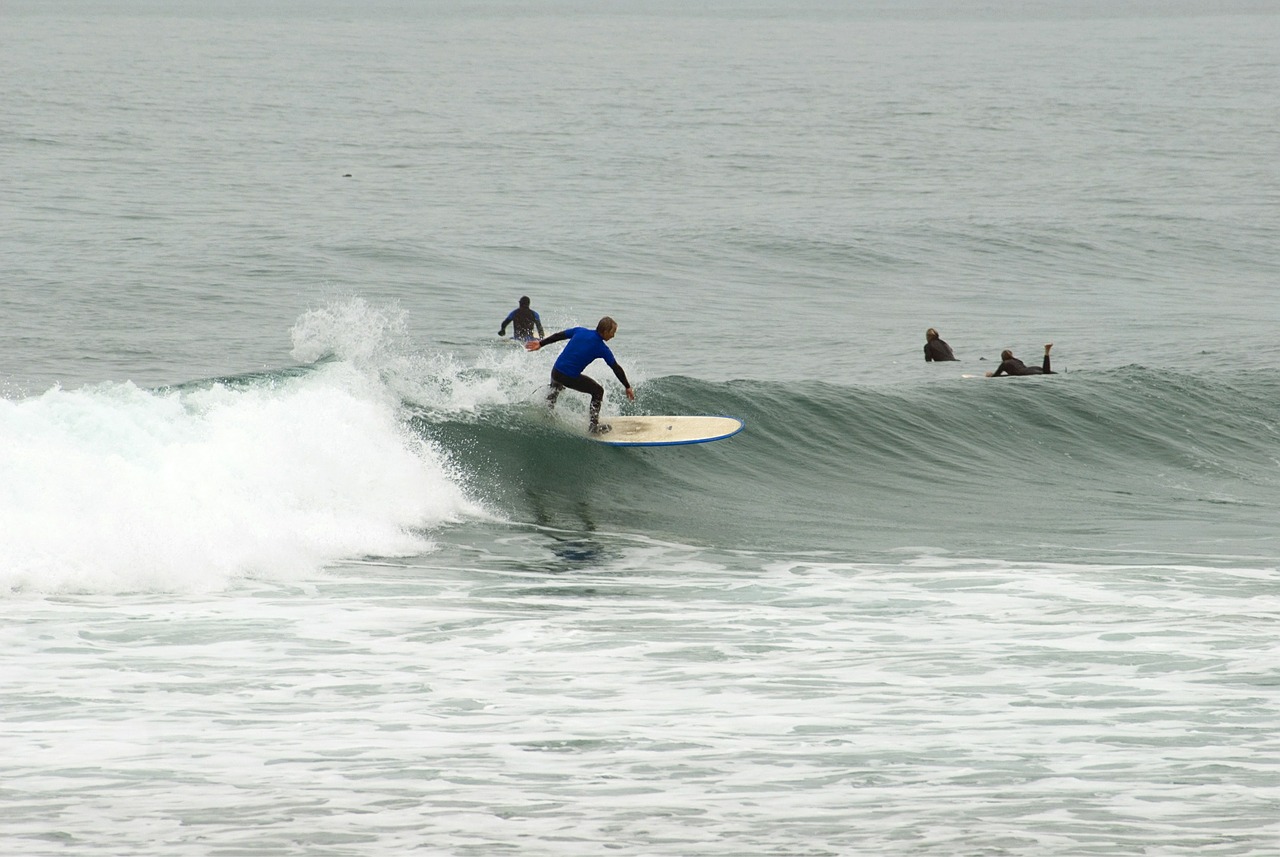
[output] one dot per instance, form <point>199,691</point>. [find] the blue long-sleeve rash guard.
<point>585,346</point>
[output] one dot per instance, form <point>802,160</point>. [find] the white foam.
<point>374,340</point>
<point>352,330</point>
<point>118,488</point>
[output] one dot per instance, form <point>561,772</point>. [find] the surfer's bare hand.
<point>631,394</point>
<point>532,345</point>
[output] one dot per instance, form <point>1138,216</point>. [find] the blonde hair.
<point>606,325</point>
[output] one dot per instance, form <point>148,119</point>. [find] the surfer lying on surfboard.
<point>585,347</point>
<point>1010,365</point>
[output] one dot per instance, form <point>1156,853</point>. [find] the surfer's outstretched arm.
<point>535,344</point>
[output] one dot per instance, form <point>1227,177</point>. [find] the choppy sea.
<point>294,562</point>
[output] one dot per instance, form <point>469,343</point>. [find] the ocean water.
<point>294,562</point>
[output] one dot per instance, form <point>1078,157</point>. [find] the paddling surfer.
<point>1010,365</point>
<point>585,347</point>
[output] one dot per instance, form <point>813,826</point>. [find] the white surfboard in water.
<point>666,431</point>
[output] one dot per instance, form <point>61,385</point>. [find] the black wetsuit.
<point>937,350</point>
<point>522,321</point>
<point>1014,366</point>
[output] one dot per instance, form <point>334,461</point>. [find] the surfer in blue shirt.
<point>1010,365</point>
<point>522,320</point>
<point>585,347</point>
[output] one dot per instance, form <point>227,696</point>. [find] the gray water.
<point>293,565</point>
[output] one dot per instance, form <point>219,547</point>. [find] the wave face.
<point>1131,459</point>
<point>370,447</point>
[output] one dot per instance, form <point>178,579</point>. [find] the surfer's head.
<point>606,327</point>
<point>524,301</point>
<point>931,334</point>
<point>1006,354</point>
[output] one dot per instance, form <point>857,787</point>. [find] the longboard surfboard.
<point>667,431</point>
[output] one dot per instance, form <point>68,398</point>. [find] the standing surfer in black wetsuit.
<point>935,350</point>
<point>1010,365</point>
<point>522,320</point>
